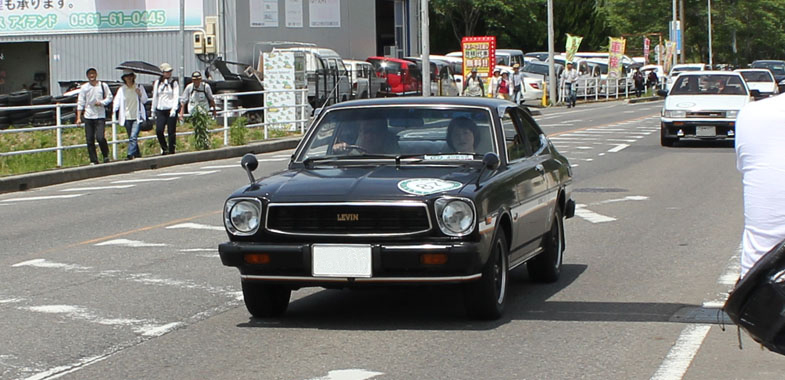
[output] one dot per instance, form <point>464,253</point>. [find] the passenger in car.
<point>462,135</point>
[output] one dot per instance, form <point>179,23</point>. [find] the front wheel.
<point>546,267</point>
<point>665,140</point>
<point>485,298</point>
<point>265,300</point>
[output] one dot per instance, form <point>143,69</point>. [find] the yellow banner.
<point>670,50</point>
<point>615,54</point>
<point>573,42</point>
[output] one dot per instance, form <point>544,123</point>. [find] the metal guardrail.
<point>597,88</point>
<point>225,113</point>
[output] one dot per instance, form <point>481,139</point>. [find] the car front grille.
<point>706,114</point>
<point>348,219</point>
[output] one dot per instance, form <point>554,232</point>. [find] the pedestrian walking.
<point>129,104</point>
<point>197,94</point>
<point>494,83</point>
<point>91,104</point>
<point>473,85</point>
<point>503,87</point>
<point>166,98</point>
<point>637,78</point>
<point>761,161</point>
<point>517,84</point>
<point>569,79</point>
<point>651,80</point>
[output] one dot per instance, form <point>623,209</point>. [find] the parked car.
<point>777,68</point>
<point>456,66</point>
<point>680,68</point>
<point>402,77</point>
<point>538,55</point>
<point>703,105</point>
<point>328,78</point>
<point>532,86</point>
<point>365,83</point>
<point>403,191</point>
<point>761,80</point>
<point>509,57</point>
<point>442,80</point>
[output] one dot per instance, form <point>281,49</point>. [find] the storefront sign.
<point>279,75</point>
<point>479,53</point>
<point>264,13</point>
<point>615,54</point>
<point>75,16</point>
<point>324,13</point>
<point>294,13</point>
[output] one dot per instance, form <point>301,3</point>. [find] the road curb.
<point>57,176</point>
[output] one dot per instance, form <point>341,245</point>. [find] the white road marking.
<point>622,140</point>
<point>196,226</point>
<point>681,354</point>
<point>349,374</point>
<point>591,216</point>
<point>157,330</point>
<point>198,250</point>
<point>618,148</point>
<point>60,371</point>
<point>583,147</point>
<point>573,165</point>
<point>274,159</point>
<point>42,198</point>
<point>146,180</point>
<point>282,155</point>
<point>222,166</point>
<point>188,173</point>
<point>42,263</point>
<point>98,188</point>
<point>130,243</point>
<point>11,300</point>
<point>627,198</point>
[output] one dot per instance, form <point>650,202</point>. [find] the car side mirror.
<point>755,93</point>
<point>250,163</point>
<point>662,93</point>
<point>490,161</point>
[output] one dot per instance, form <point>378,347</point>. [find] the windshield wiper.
<point>330,159</point>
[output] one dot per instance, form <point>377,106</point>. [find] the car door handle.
<point>540,168</point>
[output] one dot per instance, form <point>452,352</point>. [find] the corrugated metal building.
<point>41,47</point>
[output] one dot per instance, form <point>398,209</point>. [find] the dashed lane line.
<point>98,188</point>
<point>41,198</point>
<point>141,180</point>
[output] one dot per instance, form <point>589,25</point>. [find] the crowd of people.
<point>168,106</point>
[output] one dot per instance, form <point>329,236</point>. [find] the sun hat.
<point>165,67</point>
<point>516,66</point>
<point>196,75</point>
<point>127,72</point>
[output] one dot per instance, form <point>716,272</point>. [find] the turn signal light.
<point>433,258</point>
<point>257,258</point>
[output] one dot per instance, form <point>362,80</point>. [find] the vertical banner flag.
<point>615,53</point>
<point>279,75</point>
<point>573,42</point>
<point>646,48</point>
<point>479,53</point>
<point>670,50</point>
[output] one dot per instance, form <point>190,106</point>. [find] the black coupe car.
<point>404,191</point>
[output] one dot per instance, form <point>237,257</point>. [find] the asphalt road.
<point>119,278</point>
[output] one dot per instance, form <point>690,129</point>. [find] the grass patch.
<point>36,162</point>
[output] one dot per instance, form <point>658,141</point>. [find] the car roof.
<point>324,52</point>
<point>768,61</point>
<point>754,69</point>
<point>422,100</point>
<point>396,60</point>
<point>709,72</point>
<point>689,65</point>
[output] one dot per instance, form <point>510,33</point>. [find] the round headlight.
<point>456,216</point>
<point>244,216</point>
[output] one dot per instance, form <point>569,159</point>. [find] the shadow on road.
<point>441,308</point>
<point>704,144</point>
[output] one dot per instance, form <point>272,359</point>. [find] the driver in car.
<point>462,135</point>
<point>373,137</point>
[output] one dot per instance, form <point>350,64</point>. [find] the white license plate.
<point>341,260</point>
<point>705,131</point>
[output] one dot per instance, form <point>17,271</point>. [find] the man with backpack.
<point>197,94</point>
<point>93,98</point>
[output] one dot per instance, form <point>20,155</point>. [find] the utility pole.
<point>682,28</point>
<point>551,69</point>
<point>182,42</point>
<point>673,32</point>
<point>710,57</point>
<point>426,49</point>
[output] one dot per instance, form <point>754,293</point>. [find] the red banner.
<point>479,53</point>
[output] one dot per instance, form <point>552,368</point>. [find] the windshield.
<point>503,60</point>
<point>536,68</point>
<point>775,67</point>
<point>757,76</point>
<point>393,131</point>
<point>708,84</point>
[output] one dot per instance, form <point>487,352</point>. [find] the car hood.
<point>705,102</point>
<point>352,183</point>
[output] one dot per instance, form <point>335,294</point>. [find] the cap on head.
<point>516,66</point>
<point>497,70</point>
<point>569,63</point>
<point>196,75</point>
<point>91,69</point>
<point>474,69</point>
<point>165,67</point>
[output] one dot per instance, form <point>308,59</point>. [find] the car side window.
<point>531,132</point>
<point>514,139</point>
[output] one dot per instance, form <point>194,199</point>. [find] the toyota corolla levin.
<point>404,191</point>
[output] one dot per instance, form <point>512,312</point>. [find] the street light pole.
<point>426,49</point>
<point>182,42</point>
<point>710,57</point>
<point>551,69</point>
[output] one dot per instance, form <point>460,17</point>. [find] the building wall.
<point>356,38</point>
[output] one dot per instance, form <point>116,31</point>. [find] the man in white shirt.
<point>760,157</point>
<point>569,79</point>
<point>197,94</point>
<point>93,97</point>
<point>517,83</point>
<point>473,85</point>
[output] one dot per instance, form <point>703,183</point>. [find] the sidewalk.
<point>56,176</point>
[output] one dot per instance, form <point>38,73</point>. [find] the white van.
<point>328,78</point>
<point>365,83</point>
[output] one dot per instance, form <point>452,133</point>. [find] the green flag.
<point>573,42</point>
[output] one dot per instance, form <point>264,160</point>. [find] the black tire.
<point>666,141</point>
<point>546,267</point>
<point>46,99</point>
<point>486,297</point>
<point>3,100</point>
<point>265,300</point>
<point>20,98</point>
<point>4,126</point>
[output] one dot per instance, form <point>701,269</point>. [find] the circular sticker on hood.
<point>425,186</point>
<point>685,105</point>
